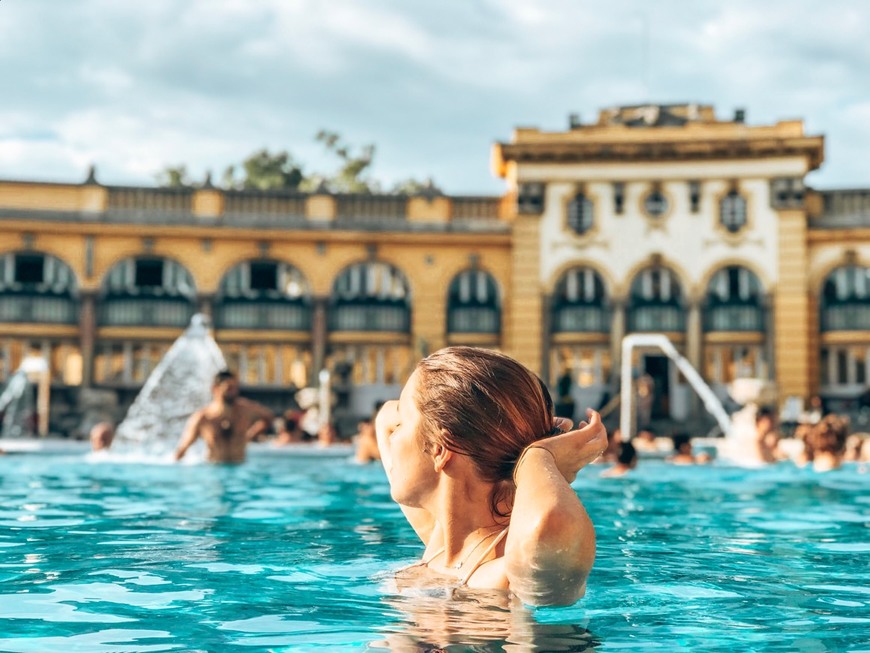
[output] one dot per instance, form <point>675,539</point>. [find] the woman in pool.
<point>482,472</point>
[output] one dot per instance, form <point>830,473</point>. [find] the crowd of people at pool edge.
<point>226,424</point>
<point>481,465</point>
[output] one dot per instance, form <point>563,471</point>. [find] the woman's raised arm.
<point>550,547</point>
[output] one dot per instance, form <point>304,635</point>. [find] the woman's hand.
<point>550,546</point>
<point>576,449</point>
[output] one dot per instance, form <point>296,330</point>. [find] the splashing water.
<point>178,386</point>
<point>17,407</point>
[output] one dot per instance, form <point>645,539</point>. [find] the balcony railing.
<point>841,209</point>
<point>475,319</point>
<point>144,312</point>
<point>846,317</point>
<point>581,319</point>
<point>263,315</point>
<point>161,200</point>
<point>349,317</point>
<point>656,318</point>
<point>475,208</point>
<point>734,318</point>
<point>371,207</point>
<point>243,203</point>
<point>38,309</point>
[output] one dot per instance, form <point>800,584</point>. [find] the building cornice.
<point>465,232</point>
<point>573,151</point>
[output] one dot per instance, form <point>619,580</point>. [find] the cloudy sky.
<point>136,86</point>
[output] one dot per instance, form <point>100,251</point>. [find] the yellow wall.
<point>524,340</point>
<point>791,307</point>
<point>429,261</point>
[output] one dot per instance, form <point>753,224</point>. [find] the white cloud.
<point>136,86</point>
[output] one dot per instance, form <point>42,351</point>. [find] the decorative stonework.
<point>787,193</point>
<point>530,198</point>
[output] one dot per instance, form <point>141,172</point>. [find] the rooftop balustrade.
<point>248,208</point>
<point>842,209</point>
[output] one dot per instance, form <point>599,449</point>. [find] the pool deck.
<point>65,446</point>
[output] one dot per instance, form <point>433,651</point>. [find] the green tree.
<point>411,186</point>
<point>173,177</point>
<point>350,177</point>
<point>266,171</point>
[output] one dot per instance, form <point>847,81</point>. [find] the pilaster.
<point>525,342</point>
<point>321,207</point>
<point>791,307</point>
<point>87,334</point>
<point>319,332</point>
<point>617,333</point>
<point>208,203</point>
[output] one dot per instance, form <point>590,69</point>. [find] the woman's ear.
<point>441,455</point>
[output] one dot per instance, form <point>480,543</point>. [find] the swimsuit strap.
<point>425,562</point>
<point>482,557</point>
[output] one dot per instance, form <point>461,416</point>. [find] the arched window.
<point>845,306</point>
<point>580,303</point>
<point>263,295</point>
<point>371,296</point>
<point>581,214</point>
<point>845,301</point>
<point>655,204</point>
<point>473,303</point>
<point>732,211</point>
<point>734,301</point>
<point>37,288</point>
<point>656,301</point>
<point>147,291</point>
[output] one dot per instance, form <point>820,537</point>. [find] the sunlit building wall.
<point>654,218</point>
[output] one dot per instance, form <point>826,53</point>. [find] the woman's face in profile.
<point>412,474</point>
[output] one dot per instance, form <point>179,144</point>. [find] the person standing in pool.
<point>482,471</point>
<point>226,424</point>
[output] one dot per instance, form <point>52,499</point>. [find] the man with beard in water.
<point>226,424</point>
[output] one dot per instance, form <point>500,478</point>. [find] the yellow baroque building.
<point>658,218</point>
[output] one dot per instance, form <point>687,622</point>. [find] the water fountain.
<point>24,402</point>
<point>178,386</point>
<point>740,442</point>
<point>17,407</point>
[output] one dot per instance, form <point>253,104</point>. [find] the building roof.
<point>673,132</point>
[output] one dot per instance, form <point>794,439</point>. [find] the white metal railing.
<point>659,341</point>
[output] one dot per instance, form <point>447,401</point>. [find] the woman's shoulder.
<point>491,574</point>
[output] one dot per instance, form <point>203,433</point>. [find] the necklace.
<point>459,564</point>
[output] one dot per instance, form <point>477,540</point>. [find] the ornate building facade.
<point>654,218</point>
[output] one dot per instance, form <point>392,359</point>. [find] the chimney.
<point>574,121</point>
<point>740,115</point>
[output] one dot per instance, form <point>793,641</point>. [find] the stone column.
<point>319,334</point>
<point>792,307</point>
<point>205,305</point>
<point>87,334</point>
<point>617,333</point>
<point>694,334</point>
<point>523,329</point>
<point>546,336</point>
<point>694,349</point>
<point>768,347</point>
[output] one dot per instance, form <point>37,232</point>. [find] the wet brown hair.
<point>829,435</point>
<point>223,375</point>
<point>484,405</point>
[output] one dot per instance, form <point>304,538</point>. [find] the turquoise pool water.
<point>295,554</point>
